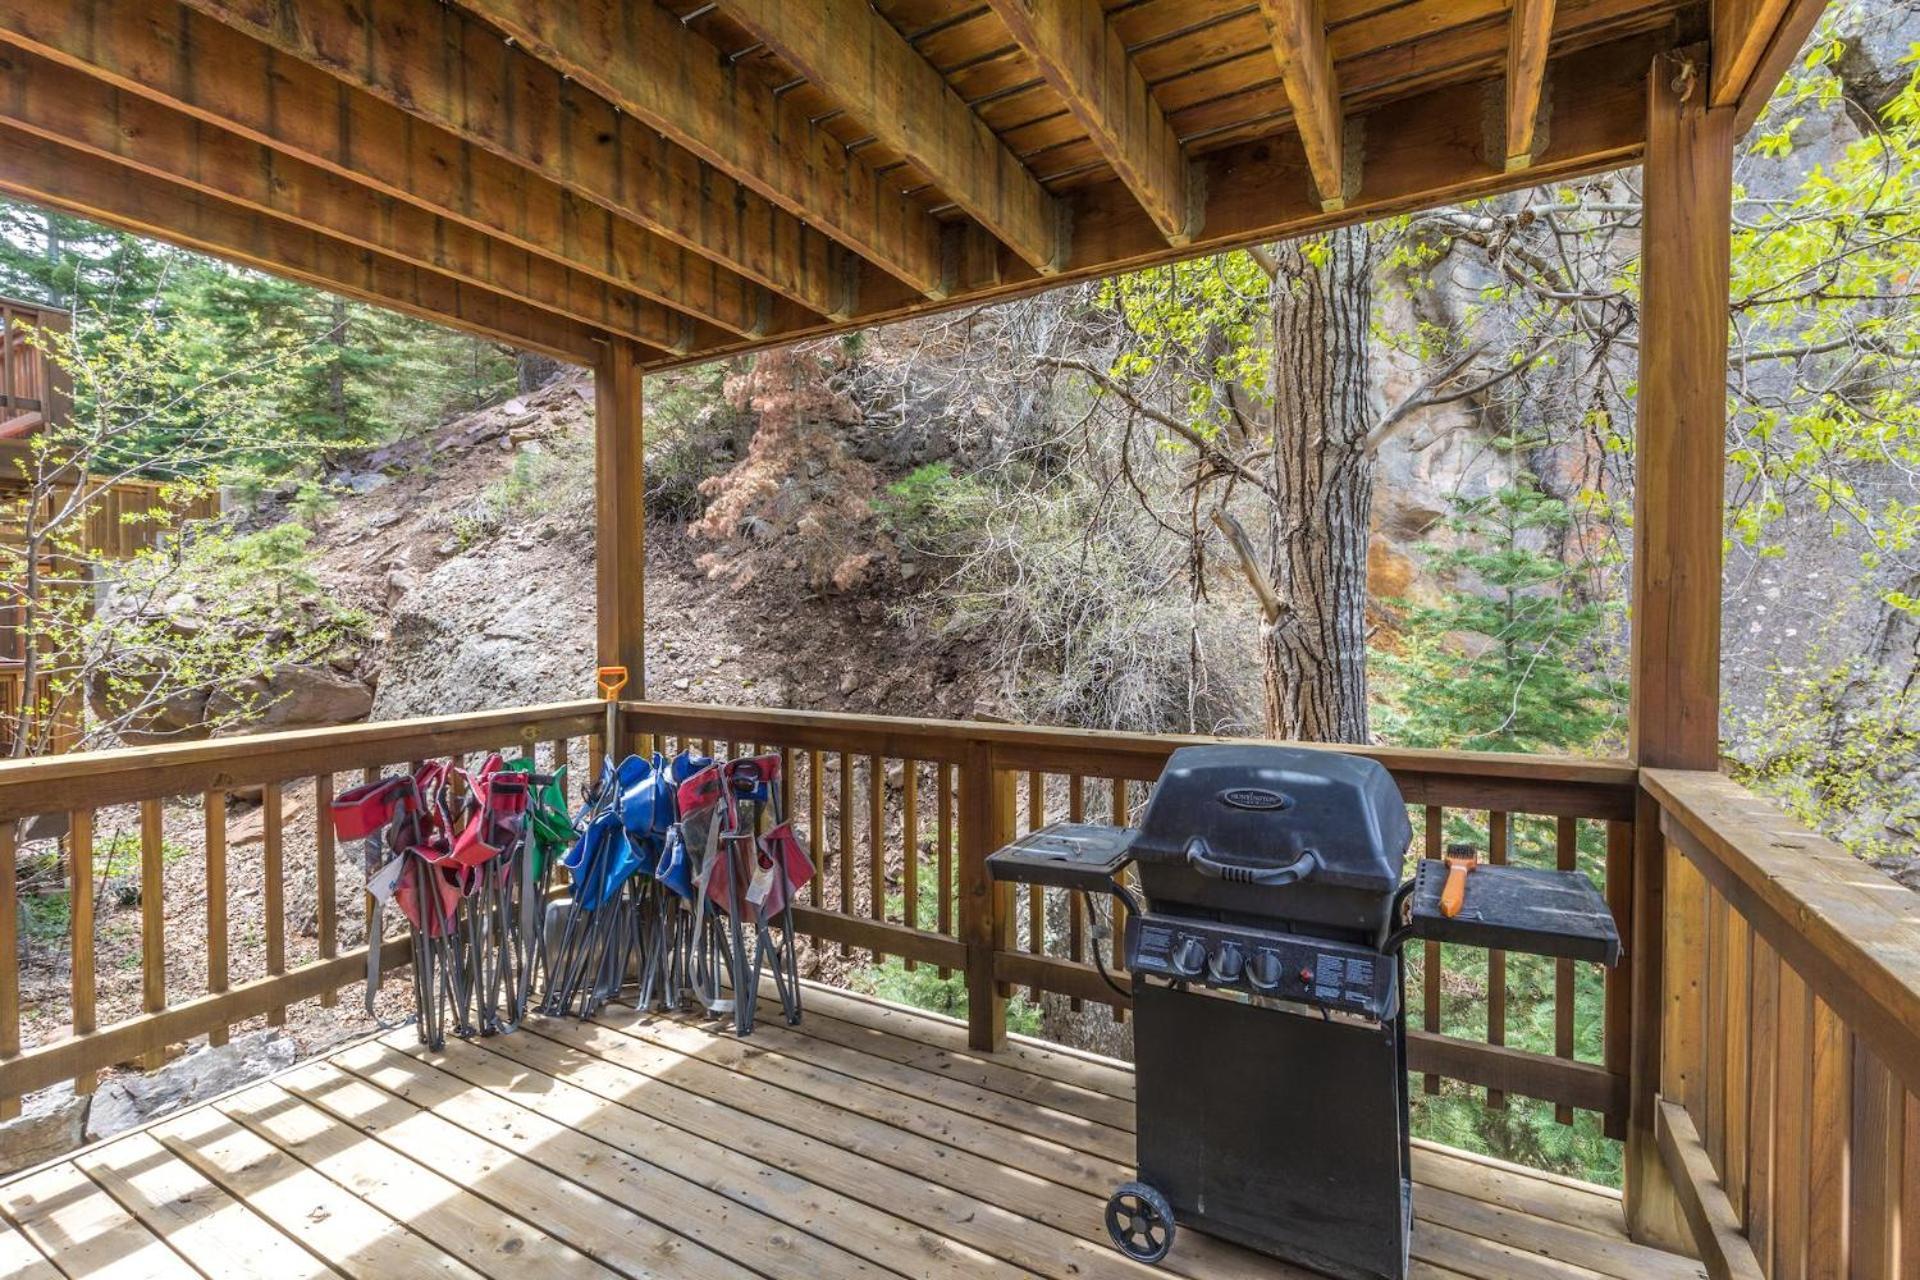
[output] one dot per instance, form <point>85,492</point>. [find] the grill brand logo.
<point>1257,798</point>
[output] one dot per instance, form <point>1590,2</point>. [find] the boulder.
<point>125,1102</point>
<point>51,1123</point>
<point>292,696</point>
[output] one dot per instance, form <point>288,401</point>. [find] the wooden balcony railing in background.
<point>1789,1109</point>
<point>33,389</point>
<point>140,788</point>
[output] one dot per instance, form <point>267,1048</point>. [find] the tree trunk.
<point>1314,655</point>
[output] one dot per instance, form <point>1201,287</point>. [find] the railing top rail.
<point>1480,764</point>
<point>1563,785</point>
<point>1849,929</point>
<point>55,314</point>
<point>55,784</point>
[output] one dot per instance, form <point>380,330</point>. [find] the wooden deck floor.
<point>866,1143</point>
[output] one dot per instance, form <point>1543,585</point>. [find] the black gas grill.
<point>1270,1032</point>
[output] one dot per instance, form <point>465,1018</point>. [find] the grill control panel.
<point>1315,971</point>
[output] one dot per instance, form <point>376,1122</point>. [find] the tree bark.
<point>1314,652</point>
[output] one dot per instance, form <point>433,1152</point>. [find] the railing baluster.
<point>1878,1129</point>
<point>1736,980</point>
<point>1616,1031</point>
<point>944,857</point>
<point>1036,896</point>
<point>910,844</point>
<point>9,964</point>
<point>1829,1120</point>
<point>1497,830</point>
<point>153,920</point>
<point>845,851</point>
<point>274,891</point>
<point>1076,913</point>
<point>816,840</point>
<point>1791,1140</point>
<point>1766,1034</point>
<point>1118,943</point>
<point>326,913</point>
<point>214,807</point>
<point>1565,842</point>
<point>80,917</point>
<point>1430,957</point>
<point>876,842</point>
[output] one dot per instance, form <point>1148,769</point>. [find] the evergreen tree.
<point>1504,662</point>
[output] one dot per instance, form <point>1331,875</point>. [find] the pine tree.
<point>1505,661</point>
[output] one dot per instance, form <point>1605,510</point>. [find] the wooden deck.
<point>869,1142</point>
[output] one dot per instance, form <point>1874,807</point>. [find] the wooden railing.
<point>900,813</point>
<point>33,389</point>
<point>168,805</point>
<point>1789,1097</point>
<point>914,807</point>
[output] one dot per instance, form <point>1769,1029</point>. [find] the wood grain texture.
<point>1529,32</point>
<point>1298,29</point>
<point>620,513</point>
<point>860,60</point>
<point>1077,51</point>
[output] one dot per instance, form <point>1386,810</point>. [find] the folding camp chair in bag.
<point>753,881</point>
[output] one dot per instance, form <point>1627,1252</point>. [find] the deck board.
<point>870,1142</point>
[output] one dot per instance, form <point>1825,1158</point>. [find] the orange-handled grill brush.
<point>1460,859</point>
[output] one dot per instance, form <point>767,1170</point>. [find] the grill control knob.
<point>1263,971</point>
<point>1189,957</point>
<point>1227,962</point>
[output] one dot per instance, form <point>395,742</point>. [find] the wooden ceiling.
<point>699,178</point>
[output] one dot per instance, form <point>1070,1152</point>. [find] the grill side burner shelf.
<point>1269,997</point>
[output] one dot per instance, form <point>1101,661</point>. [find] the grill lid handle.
<point>1294,872</point>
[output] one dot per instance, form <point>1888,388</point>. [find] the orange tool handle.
<point>611,680</point>
<point>1454,895</point>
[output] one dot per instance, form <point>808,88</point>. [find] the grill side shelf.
<point>1546,913</point>
<point>1065,855</point>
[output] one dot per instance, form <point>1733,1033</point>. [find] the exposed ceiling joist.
<point>66,106</point>
<point>1742,30</point>
<point>641,58</point>
<point>89,187</point>
<point>1298,29</point>
<point>193,64</point>
<point>847,49</point>
<point>447,69</point>
<point>1086,62</point>
<point>1529,32</point>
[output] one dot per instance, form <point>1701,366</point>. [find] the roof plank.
<point>1299,32</point>
<point>640,58</point>
<point>1086,62</point>
<point>1742,30</point>
<point>855,55</point>
<point>193,64</point>
<point>67,106</point>
<point>441,66</point>
<point>90,187</point>
<point>1529,31</point>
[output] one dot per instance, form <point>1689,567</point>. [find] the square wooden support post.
<point>620,518</point>
<point>1678,500</point>
<point>986,909</point>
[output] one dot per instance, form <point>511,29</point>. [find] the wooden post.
<point>1680,453</point>
<point>620,516</point>
<point>986,820</point>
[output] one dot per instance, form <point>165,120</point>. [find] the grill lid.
<point>1277,816</point>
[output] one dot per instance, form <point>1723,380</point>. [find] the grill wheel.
<point>1140,1222</point>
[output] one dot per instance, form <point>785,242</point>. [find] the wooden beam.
<point>1680,463</point>
<point>1787,38</point>
<point>66,106</point>
<point>1298,29</point>
<point>855,56</point>
<point>1427,149</point>
<point>173,56</point>
<point>1742,31</point>
<point>1086,62</point>
<point>620,521</point>
<point>641,59</point>
<point>76,183</point>
<point>1529,32</point>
